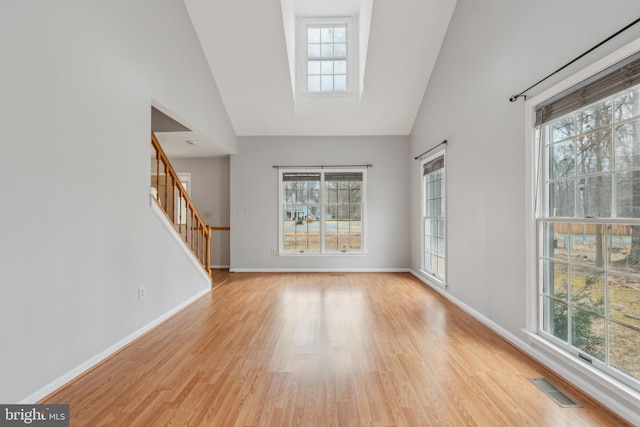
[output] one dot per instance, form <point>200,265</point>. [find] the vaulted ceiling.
<point>245,45</point>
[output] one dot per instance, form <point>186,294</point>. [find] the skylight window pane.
<point>340,50</point>
<point>340,83</point>
<point>313,51</point>
<point>340,35</point>
<point>326,35</point>
<point>313,67</point>
<point>326,83</point>
<point>313,83</point>
<point>326,67</point>
<point>313,35</point>
<point>327,50</point>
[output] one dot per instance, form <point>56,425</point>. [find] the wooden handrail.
<point>219,228</point>
<point>192,228</point>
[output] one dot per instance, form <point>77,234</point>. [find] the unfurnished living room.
<point>320,213</point>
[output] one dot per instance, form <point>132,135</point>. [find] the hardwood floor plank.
<point>303,349</point>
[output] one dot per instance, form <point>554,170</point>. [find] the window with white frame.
<point>433,224</point>
<point>327,58</point>
<point>588,221</point>
<point>322,211</point>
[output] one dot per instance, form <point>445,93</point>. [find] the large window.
<point>589,225</point>
<point>433,208</point>
<point>322,211</point>
<point>327,58</point>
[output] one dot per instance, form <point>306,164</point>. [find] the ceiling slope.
<point>244,43</point>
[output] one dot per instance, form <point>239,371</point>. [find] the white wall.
<point>254,190</point>
<point>495,49</point>
<point>77,233</point>
<point>210,193</point>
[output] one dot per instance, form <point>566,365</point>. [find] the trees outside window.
<point>589,229</point>
<point>322,211</point>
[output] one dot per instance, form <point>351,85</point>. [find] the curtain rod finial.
<point>514,98</point>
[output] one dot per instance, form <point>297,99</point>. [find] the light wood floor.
<point>361,349</point>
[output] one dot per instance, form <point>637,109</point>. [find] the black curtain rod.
<point>514,98</point>
<point>370,165</point>
<point>430,150</point>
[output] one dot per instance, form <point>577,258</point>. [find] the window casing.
<point>434,220</point>
<point>588,232</point>
<point>322,211</point>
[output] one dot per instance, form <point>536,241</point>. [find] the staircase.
<point>174,201</point>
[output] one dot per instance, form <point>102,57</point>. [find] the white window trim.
<point>352,56</point>
<point>534,199</point>
<point>322,253</point>
<point>433,278</point>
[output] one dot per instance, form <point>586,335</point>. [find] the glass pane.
<point>326,50</point>
<point>326,67</point>
<point>627,105</point>
<point>441,267</point>
<point>313,67</point>
<point>628,194</point>
<point>340,50</point>
<point>326,35</point>
<point>555,277</point>
<point>624,349</point>
<point>340,83</point>
<point>313,51</point>
<point>313,83</point>
<point>627,145</point>
<point>593,117</point>
<point>587,245</point>
<point>594,198</point>
<point>556,240</point>
<point>562,160</point>
<point>340,67</point>
<point>562,199</point>
<point>326,83</point>
<point>594,152</point>
<point>587,289</point>
<point>587,332</point>
<point>555,318</point>
<point>623,247</point>
<point>340,34</point>
<point>562,129</point>
<point>313,35</point>
<point>623,299</point>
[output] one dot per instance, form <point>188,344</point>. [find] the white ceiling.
<point>244,43</point>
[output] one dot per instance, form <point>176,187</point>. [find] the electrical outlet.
<point>273,251</point>
<point>140,294</point>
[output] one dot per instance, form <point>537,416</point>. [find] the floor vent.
<point>554,393</point>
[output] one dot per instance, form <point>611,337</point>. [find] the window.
<point>322,211</point>
<point>433,207</point>
<point>327,58</point>
<point>589,223</point>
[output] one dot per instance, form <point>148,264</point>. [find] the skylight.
<point>326,47</point>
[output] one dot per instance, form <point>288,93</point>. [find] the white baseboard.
<point>623,404</point>
<point>220,266</point>
<point>84,367</point>
<point>319,270</point>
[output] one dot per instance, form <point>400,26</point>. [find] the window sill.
<point>609,383</point>
<point>329,94</point>
<point>433,279</point>
<point>317,254</point>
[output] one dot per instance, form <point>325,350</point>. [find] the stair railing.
<point>172,197</point>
